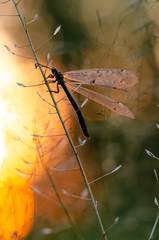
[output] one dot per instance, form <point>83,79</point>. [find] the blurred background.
<point>94,34</point>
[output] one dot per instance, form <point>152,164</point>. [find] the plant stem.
<point>64,126</point>
<point>154,227</point>
<point>40,153</point>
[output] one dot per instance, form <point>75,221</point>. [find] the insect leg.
<point>50,76</point>
<point>57,91</point>
<point>37,65</point>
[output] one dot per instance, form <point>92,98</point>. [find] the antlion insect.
<point>110,78</point>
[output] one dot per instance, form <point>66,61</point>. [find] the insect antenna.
<point>39,64</point>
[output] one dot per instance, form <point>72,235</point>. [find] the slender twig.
<point>45,100</point>
<point>65,129</point>
<point>18,2</point>
<point>154,227</point>
<point>40,152</point>
<point>63,169</point>
<point>71,92</point>
<point>41,136</point>
<point>23,46</point>
<point>114,223</point>
<point>18,55</point>
<point>35,85</point>
<point>8,15</point>
<point>3,2</point>
<point>105,175</point>
<point>44,43</point>
<point>56,31</point>
<point>74,196</point>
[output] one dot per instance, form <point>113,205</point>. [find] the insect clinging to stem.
<point>110,78</point>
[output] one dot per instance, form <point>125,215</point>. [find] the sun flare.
<point>2,133</point>
<point>19,221</point>
<point>4,113</point>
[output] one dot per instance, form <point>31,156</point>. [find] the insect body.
<point>110,78</point>
<point>60,81</point>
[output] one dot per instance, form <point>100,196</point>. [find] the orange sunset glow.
<point>16,199</point>
<point>23,158</point>
<point>79,162</point>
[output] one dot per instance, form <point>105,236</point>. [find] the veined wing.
<point>110,77</point>
<point>110,103</point>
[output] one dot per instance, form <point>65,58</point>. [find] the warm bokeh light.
<point>34,169</point>
<point>6,115</point>
<point>22,113</point>
<point>16,201</point>
<point>2,136</point>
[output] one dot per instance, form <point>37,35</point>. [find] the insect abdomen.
<point>78,111</point>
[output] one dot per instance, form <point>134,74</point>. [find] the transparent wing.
<point>110,103</point>
<point>110,77</point>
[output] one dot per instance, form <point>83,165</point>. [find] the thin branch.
<point>63,169</point>
<point>42,136</point>
<point>72,113</point>
<point>114,223</point>
<point>34,19</point>
<point>8,15</point>
<point>18,2</point>
<point>44,43</point>
<point>82,143</point>
<point>48,231</point>
<point>67,134</point>
<point>151,154</point>
<point>23,46</point>
<point>45,100</point>
<point>107,174</point>
<point>156,175</point>
<point>74,196</point>
<point>38,191</point>
<point>71,91</point>
<point>154,227</point>
<point>23,16</point>
<point>18,55</point>
<point>40,153</point>
<point>55,32</point>
<point>35,85</point>
<point>3,2</point>
<point>49,112</point>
